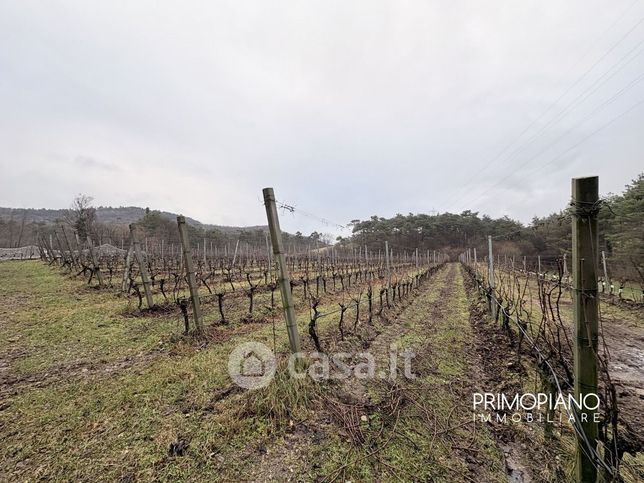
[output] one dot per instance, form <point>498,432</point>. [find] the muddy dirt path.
<point>623,334</point>
<point>626,367</point>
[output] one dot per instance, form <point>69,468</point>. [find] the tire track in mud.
<point>499,370</point>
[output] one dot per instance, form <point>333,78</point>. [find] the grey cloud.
<point>347,108</point>
<point>87,162</point>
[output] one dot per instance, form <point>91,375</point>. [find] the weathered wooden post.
<point>283,279</point>
<point>51,246</point>
<point>585,258</point>
<point>606,282</point>
<point>41,248</point>
<point>143,268</point>
<point>490,277</point>
<point>387,265</point>
<point>475,262</point>
<point>69,246</point>
<point>77,238</point>
<point>235,255</point>
<point>92,254</point>
<point>128,267</point>
<point>190,269</point>
<point>50,249</point>
<point>268,258</point>
<point>61,249</point>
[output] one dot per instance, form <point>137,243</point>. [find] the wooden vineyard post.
<point>235,255</point>
<point>190,269</point>
<point>47,250</point>
<point>51,247</point>
<point>268,257</point>
<point>387,268</point>
<point>585,259</point>
<point>606,283</point>
<point>475,262</point>
<point>62,250</point>
<point>69,247</point>
<point>490,277</point>
<point>143,268</point>
<point>76,240</point>
<point>128,266</point>
<point>94,258</point>
<point>283,277</point>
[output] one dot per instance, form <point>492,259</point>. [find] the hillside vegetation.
<point>621,219</point>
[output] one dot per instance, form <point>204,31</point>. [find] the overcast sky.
<point>347,108</point>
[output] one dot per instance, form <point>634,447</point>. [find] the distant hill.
<point>123,215</point>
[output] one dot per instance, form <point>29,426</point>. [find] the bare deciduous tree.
<point>81,215</point>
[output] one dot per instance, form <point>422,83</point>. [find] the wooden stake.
<point>143,268</point>
<point>283,278</point>
<point>585,258</point>
<point>190,269</point>
<point>606,282</point>
<point>128,268</point>
<point>69,247</point>
<point>387,265</point>
<point>490,277</point>
<point>92,254</point>
<point>475,265</point>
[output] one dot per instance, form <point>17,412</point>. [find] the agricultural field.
<point>94,385</point>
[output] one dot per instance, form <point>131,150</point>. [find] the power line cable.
<point>557,158</point>
<point>562,113</point>
<point>561,96</point>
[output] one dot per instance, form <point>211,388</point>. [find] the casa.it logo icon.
<point>251,365</point>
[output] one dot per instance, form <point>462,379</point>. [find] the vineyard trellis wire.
<point>549,343</point>
<point>224,277</point>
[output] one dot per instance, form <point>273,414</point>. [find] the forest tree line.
<point>80,218</point>
<point>621,222</point>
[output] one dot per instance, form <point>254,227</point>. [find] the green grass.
<point>147,387</point>
<point>117,389</point>
<point>53,321</point>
